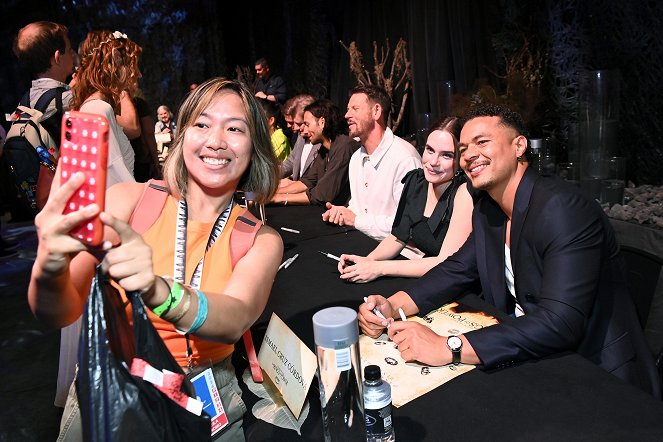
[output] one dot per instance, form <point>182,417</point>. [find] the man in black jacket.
<point>543,252</point>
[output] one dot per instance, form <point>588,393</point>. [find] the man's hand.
<point>339,215</point>
<point>261,94</point>
<point>416,342</point>
<point>371,324</point>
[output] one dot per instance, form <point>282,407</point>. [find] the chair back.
<point>643,270</point>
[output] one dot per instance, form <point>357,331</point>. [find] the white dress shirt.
<point>375,183</point>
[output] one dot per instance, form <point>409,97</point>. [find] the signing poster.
<point>409,380</point>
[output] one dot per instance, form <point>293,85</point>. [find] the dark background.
<point>477,43</point>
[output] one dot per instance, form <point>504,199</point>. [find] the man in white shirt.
<point>376,169</point>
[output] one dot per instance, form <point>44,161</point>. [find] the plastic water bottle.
<point>339,374</point>
<point>377,406</point>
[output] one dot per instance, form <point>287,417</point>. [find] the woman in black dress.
<point>434,216</point>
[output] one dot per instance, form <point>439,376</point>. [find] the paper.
<point>271,408</point>
<point>409,380</point>
<point>288,362</point>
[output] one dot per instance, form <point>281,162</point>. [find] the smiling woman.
<point>209,301</point>
<point>434,214</point>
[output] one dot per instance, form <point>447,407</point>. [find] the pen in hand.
<point>378,313</point>
<point>329,255</point>
<point>402,314</point>
<point>334,257</point>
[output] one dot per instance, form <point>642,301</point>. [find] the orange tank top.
<point>217,270</point>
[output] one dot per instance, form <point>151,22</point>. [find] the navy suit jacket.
<point>568,277</point>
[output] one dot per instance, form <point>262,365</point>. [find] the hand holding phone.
<point>84,148</point>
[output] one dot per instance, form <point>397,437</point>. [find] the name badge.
<point>209,395</point>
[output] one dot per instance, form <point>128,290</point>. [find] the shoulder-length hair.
<point>450,125</point>
<point>109,64</point>
<point>261,175</point>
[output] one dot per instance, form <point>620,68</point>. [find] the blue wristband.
<point>201,315</point>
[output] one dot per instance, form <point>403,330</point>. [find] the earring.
<point>519,158</point>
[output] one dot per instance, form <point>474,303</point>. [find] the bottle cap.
<point>335,327</point>
<point>537,143</point>
<point>372,372</point>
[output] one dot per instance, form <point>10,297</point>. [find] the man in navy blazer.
<point>543,252</point>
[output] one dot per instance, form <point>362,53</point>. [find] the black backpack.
<point>32,147</point>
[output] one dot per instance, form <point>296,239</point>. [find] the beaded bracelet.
<point>201,315</point>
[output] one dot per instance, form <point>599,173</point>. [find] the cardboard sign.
<point>288,362</point>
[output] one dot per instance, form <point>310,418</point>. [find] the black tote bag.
<point>114,405</point>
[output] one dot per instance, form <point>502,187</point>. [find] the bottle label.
<point>343,360</point>
<point>378,421</point>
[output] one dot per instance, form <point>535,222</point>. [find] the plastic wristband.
<point>173,299</point>
<point>201,315</point>
<point>286,199</point>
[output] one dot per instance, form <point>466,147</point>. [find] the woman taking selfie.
<point>222,145</point>
<point>434,213</point>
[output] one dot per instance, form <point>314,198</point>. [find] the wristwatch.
<point>455,344</point>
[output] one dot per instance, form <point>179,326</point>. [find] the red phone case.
<point>84,148</point>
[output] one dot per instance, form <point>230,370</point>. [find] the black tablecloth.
<point>562,397</point>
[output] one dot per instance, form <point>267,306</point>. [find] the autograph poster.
<point>409,380</point>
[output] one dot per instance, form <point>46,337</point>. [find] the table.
<point>562,397</point>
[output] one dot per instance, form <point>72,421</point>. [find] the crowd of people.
<point>469,206</point>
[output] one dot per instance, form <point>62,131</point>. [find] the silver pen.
<point>377,312</point>
<point>291,260</point>
<point>329,255</point>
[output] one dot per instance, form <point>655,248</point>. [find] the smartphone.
<point>84,148</point>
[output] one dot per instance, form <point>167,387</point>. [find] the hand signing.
<point>416,342</point>
<point>371,324</point>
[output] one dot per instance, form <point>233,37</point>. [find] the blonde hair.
<point>109,65</point>
<point>261,175</point>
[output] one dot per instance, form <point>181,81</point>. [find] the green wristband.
<point>173,299</point>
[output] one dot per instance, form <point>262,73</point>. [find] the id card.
<point>209,395</point>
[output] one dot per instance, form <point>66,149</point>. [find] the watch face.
<point>454,342</point>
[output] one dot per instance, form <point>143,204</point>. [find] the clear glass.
<point>340,381</point>
<point>612,186</point>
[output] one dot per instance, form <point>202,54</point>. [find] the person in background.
<point>434,214</point>
<point>108,74</point>
<point>303,152</point>
<point>544,254</point>
<point>269,87</point>
<point>165,123</point>
<point>280,142</point>
<point>327,178</point>
<point>146,165</point>
<point>376,169</point>
<point>223,144</point>
<point>44,51</point>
